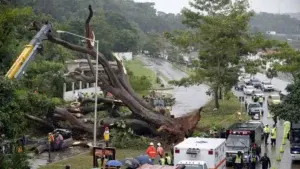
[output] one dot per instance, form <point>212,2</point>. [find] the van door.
<point>205,166</point>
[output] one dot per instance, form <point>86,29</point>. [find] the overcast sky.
<point>271,6</point>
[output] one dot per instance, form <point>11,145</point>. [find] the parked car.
<point>266,86</point>
<point>248,89</point>
<point>255,82</point>
<point>239,86</point>
<point>273,99</point>
<point>258,93</point>
<point>254,108</point>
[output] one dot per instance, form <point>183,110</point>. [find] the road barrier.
<point>281,149</point>
<point>278,157</point>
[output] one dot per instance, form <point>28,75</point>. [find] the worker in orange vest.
<point>106,136</point>
<point>151,152</point>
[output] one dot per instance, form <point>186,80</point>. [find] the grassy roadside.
<point>139,69</point>
<point>84,161</point>
<point>222,118</point>
<point>183,68</point>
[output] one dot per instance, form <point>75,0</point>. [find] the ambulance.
<point>201,153</point>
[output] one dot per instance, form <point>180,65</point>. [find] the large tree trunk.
<point>118,85</point>
<point>216,98</point>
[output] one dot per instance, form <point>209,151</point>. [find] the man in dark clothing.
<point>246,105</point>
<point>265,161</point>
<point>275,120</point>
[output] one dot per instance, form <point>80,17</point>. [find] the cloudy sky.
<point>272,6</point>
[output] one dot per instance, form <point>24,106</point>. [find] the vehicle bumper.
<point>295,157</point>
<point>268,89</point>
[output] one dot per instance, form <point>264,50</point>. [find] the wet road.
<point>273,152</point>
<point>187,98</point>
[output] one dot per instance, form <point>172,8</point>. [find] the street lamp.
<point>96,78</point>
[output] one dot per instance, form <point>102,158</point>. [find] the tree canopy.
<point>223,38</point>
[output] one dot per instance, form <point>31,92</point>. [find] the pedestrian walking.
<point>246,105</point>
<point>265,162</point>
<point>261,101</point>
<point>160,150</point>
<point>275,119</point>
<point>266,133</point>
<point>252,160</point>
<point>238,161</point>
<point>168,159</point>
<point>151,152</point>
<point>106,136</point>
<point>273,136</point>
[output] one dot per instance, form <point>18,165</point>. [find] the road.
<point>187,98</point>
<point>273,152</point>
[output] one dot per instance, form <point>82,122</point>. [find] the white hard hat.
<point>151,144</point>
<point>158,144</point>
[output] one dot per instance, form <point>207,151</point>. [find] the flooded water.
<point>187,98</point>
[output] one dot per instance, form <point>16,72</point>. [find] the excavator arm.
<point>28,54</point>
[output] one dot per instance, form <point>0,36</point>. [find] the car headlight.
<point>295,152</point>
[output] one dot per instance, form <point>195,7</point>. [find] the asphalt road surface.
<point>274,152</point>
<point>187,98</point>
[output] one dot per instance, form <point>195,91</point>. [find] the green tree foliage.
<point>139,83</point>
<point>223,37</point>
<point>286,59</point>
<point>288,109</point>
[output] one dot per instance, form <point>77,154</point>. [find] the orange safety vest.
<point>151,152</point>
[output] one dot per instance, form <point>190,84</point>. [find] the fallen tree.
<point>116,82</point>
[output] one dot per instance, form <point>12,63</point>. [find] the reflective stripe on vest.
<point>238,160</point>
<point>162,161</point>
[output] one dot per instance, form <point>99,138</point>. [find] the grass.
<point>139,69</point>
<point>222,118</point>
<point>85,160</point>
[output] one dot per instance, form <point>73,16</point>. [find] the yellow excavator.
<point>28,54</point>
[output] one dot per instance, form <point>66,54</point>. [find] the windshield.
<point>255,80</point>
<point>267,83</point>
<point>254,106</point>
<point>275,97</point>
<point>238,141</point>
<point>249,87</point>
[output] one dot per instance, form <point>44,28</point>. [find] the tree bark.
<point>120,87</point>
<point>216,98</point>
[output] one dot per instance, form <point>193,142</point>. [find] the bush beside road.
<point>222,118</point>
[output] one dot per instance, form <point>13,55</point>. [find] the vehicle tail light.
<point>177,150</point>
<point>211,152</point>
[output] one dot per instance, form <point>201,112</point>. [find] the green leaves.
<point>289,108</point>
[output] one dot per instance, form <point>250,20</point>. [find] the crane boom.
<point>28,54</point>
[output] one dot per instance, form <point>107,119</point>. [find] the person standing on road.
<point>275,119</point>
<point>261,101</point>
<point>265,162</point>
<point>273,136</point>
<point>286,127</point>
<point>252,160</point>
<point>238,161</point>
<point>266,133</point>
<point>160,150</point>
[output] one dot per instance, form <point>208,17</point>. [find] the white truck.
<point>201,153</point>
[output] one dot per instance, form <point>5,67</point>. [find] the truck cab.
<point>186,164</point>
<point>295,141</point>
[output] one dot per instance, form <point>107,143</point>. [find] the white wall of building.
<point>126,56</point>
<point>89,90</point>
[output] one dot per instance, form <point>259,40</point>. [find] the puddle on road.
<point>42,159</point>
